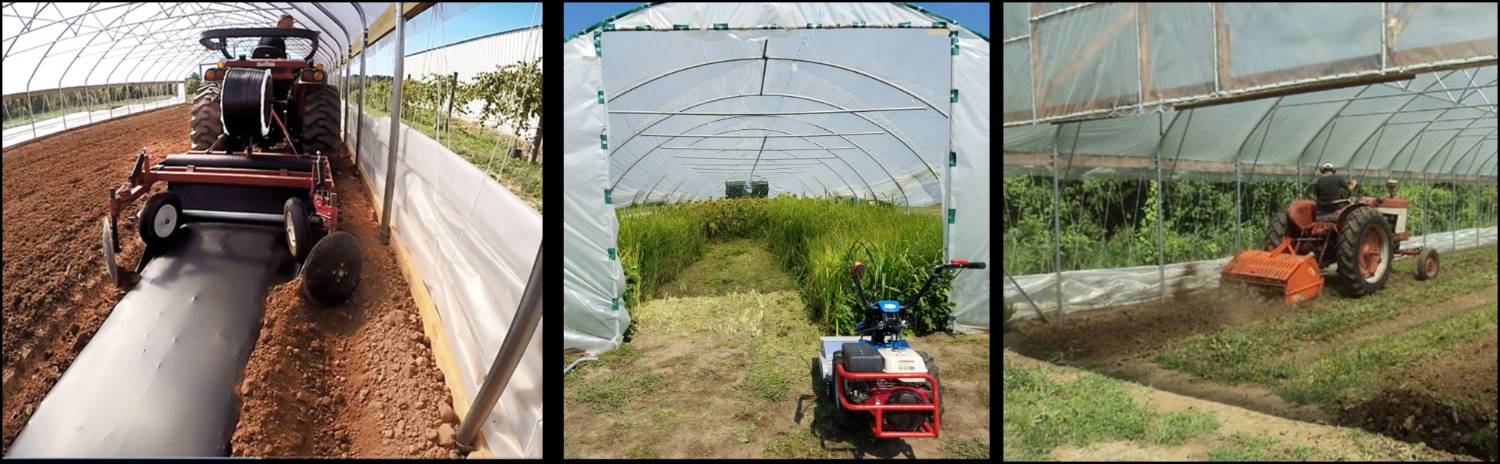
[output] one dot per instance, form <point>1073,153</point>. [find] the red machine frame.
<point>318,182</point>
<point>929,430</point>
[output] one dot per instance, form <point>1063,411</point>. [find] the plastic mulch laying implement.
<point>284,107</point>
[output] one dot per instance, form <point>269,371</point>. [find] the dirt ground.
<point>1441,403</point>
<point>357,380</point>
<point>1101,335</point>
<point>1329,441</point>
<point>55,290</point>
<point>730,376</point>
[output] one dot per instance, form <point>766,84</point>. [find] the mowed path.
<point>726,373</point>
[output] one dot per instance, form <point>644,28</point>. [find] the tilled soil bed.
<point>1448,403</point>
<point>356,379</point>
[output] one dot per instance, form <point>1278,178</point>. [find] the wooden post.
<point>536,142</point>
<point>1221,48</point>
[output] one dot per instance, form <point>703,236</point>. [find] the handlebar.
<point>858,272</point>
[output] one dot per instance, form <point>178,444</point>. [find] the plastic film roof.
<point>1296,85</point>
<point>668,102</point>
<point>816,110</point>
<point>50,45</point>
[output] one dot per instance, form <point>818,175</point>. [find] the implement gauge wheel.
<point>161,218</point>
<point>1427,264</point>
<point>294,215</point>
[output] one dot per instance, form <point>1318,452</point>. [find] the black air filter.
<point>246,102</point>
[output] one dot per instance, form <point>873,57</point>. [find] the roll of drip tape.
<point>245,105</point>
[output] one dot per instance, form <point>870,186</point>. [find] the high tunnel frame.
<point>837,109</point>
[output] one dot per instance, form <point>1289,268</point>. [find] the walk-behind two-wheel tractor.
<point>262,131</point>
<point>879,373</point>
<point>1359,240</point>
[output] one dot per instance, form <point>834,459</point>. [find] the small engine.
<point>861,357</point>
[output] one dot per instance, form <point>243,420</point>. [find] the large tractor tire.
<point>1364,252</point>
<point>320,119</point>
<point>1276,230</point>
<point>207,124</point>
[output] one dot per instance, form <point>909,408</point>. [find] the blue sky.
<point>469,20</point>
<point>577,16</point>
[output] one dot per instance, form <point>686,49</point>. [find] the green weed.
<point>1175,428</point>
<point>1350,374</point>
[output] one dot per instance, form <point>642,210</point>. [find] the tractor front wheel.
<point>1364,252</point>
<point>1427,264</point>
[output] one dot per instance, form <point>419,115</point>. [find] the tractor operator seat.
<point>271,48</point>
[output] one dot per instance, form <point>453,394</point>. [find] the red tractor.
<point>262,131</point>
<point>1359,239</point>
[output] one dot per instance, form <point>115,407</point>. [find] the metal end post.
<point>528,316</point>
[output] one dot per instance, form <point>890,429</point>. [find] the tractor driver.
<point>274,47</point>
<point>1332,190</point>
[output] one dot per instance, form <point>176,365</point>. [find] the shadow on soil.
<point>834,427</point>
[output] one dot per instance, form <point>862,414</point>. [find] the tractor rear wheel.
<point>1364,252</point>
<point>1277,230</point>
<point>320,119</point>
<point>207,125</point>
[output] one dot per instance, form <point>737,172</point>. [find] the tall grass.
<point>654,249</point>
<point>814,240</point>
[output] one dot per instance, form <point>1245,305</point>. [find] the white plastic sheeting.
<point>474,243</point>
<point>1103,288</point>
<point>871,125</point>
<point>74,120</point>
<point>1099,59</point>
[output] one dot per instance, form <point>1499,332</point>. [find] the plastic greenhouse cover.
<point>1125,58</point>
<point>1422,129</point>
<point>931,102</point>
<point>50,45</point>
<point>473,242</point>
<point>1103,288</point>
